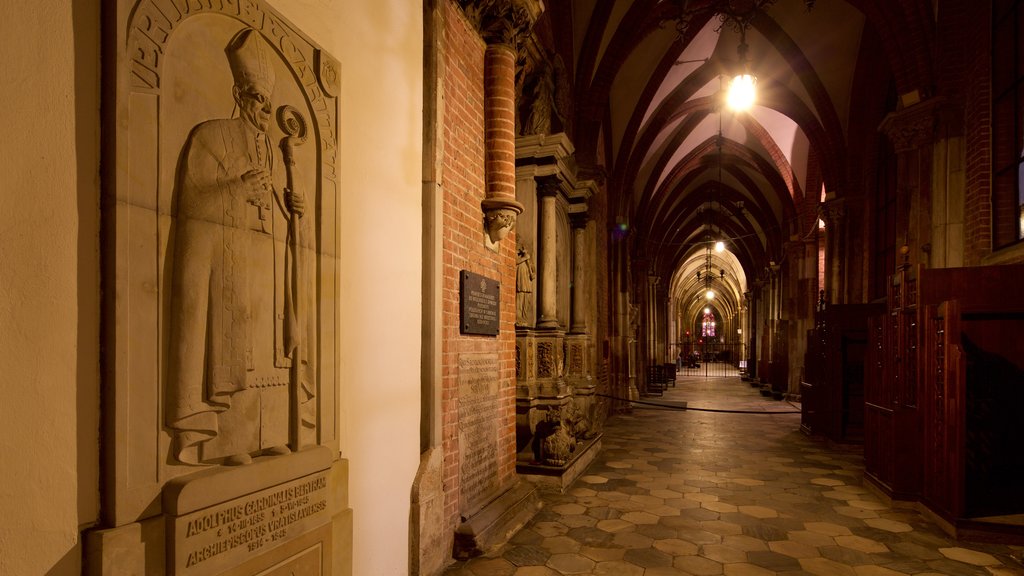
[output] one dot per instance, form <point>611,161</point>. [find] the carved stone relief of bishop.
<point>241,372</point>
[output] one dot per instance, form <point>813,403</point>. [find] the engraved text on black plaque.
<point>479,299</point>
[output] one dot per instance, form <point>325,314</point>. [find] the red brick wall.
<point>463,185</point>
<point>977,120</point>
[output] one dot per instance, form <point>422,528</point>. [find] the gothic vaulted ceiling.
<point>680,167</point>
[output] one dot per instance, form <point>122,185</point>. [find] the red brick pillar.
<point>500,206</point>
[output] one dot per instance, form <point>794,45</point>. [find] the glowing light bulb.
<point>710,295</point>
<point>719,246</point>
<point>742,92</point>
<point>707,310</point>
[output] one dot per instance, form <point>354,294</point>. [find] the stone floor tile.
<point>549,529</point>
<point>666,494</point>
<point>571,564</point>
<point>640,518</point>
<point>701,497</point>
<point>526,555</point>
<point>669,571</point>
<point>722,553</point>
<point>758,511</point>
<point>827,481</point>
<point>868,504</point>
<point>773,561</point>
<point>698,566</point>
<point>721,527</point>
<point>568,509</point>
<point>615,525</point>
<point>861,544</point>
<point>719,506</point>
<point>826,567</point>
<point>536,571</point>
<point>648,557</point>
<point>632,540</point>
<point>602,553</point>
<point>888,525</point>
<point>827,528</point>
<point>592,479</point>
<point>745,543</point>
<point>657,531</point>
<point>794,549</point>
<point>676,547</point>
<point>578,520</point>
<point>617,568</point>
<point>766,532</point>
<point>876,571</point>
<point>560,545</point>
<point>811,538</point>
<point>665,510</point>
<point>747,570</point>
<point>590,536</point>
<point>955,568</point>
<point>491,567</point>
<point>968,556</point>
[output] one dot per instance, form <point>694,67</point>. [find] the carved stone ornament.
<point>499,219</point>
<point>225,188</point>
<point>502,21</point>
<point>913,127</point>
<point>545,360</point>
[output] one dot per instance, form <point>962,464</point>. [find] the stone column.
<point>578,323</point>
<point>547,274</point>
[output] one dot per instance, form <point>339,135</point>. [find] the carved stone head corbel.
<point>499,219</point>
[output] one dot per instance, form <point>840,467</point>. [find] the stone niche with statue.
<point>221,286</point>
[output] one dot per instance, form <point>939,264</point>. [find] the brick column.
<point>500,205</point>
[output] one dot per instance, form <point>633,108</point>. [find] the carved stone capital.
<point>503,21</point>
<point>499,218</point>
<point>913,127</point>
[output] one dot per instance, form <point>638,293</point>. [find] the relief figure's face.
<point>254,106</point>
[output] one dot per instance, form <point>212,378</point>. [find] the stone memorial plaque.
<point>221,284</point>
<point>479,427</point>
<point>479,303</point>
<point>225,535</point>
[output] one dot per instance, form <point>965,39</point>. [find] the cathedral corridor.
<point>676,492</point>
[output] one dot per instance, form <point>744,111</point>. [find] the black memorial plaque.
<point>479,299</point>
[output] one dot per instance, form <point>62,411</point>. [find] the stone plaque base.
<point>559,478</point>
<point>496,522</point>
<point>274,513</point>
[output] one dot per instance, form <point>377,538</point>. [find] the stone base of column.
<point>491,526</point>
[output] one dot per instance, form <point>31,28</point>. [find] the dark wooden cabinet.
<point>832,391</point>
<point>892,443</point>
<point>945,394</point>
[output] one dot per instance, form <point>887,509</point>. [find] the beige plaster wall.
<point>379,44</point>
<point>49,291</point>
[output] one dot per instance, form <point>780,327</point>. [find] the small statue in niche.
<point>525,273</point>
<point>241,370</point>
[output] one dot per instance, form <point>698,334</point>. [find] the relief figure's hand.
<point>258,180</point>
<point>295,202</point>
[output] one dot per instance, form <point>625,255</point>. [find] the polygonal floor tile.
<point>747,570</point>
<point>876,571</point>
<point>676,547</point>
<point>698,566</point>
<point>615,525</point>
<point>827,528</point>
<point>827,482</point>
<point>602,554</point>
<point>825,567</point>
<point>969,556</point>
<point>758,511</point>
<point>594,479</point>
<point>794,549</point>
<point>862,544</point>
<point>560,545</point>
<point>640,518</point>
<point>632,540</point>
<point>744,542</point>
<point>527,555</point>
<point>868,504</point>
<point>721,527</point>
<point>617,568</point>
<point>549,529</point>
<point>721,507</point>
<point>722,553</point>
<point>571,563</point>
<point>536,571</point>
<point>647,557</point>
<point>568,509</point>
<point>491,567</point>
<point>856,512</point>
<point>888,525</point>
